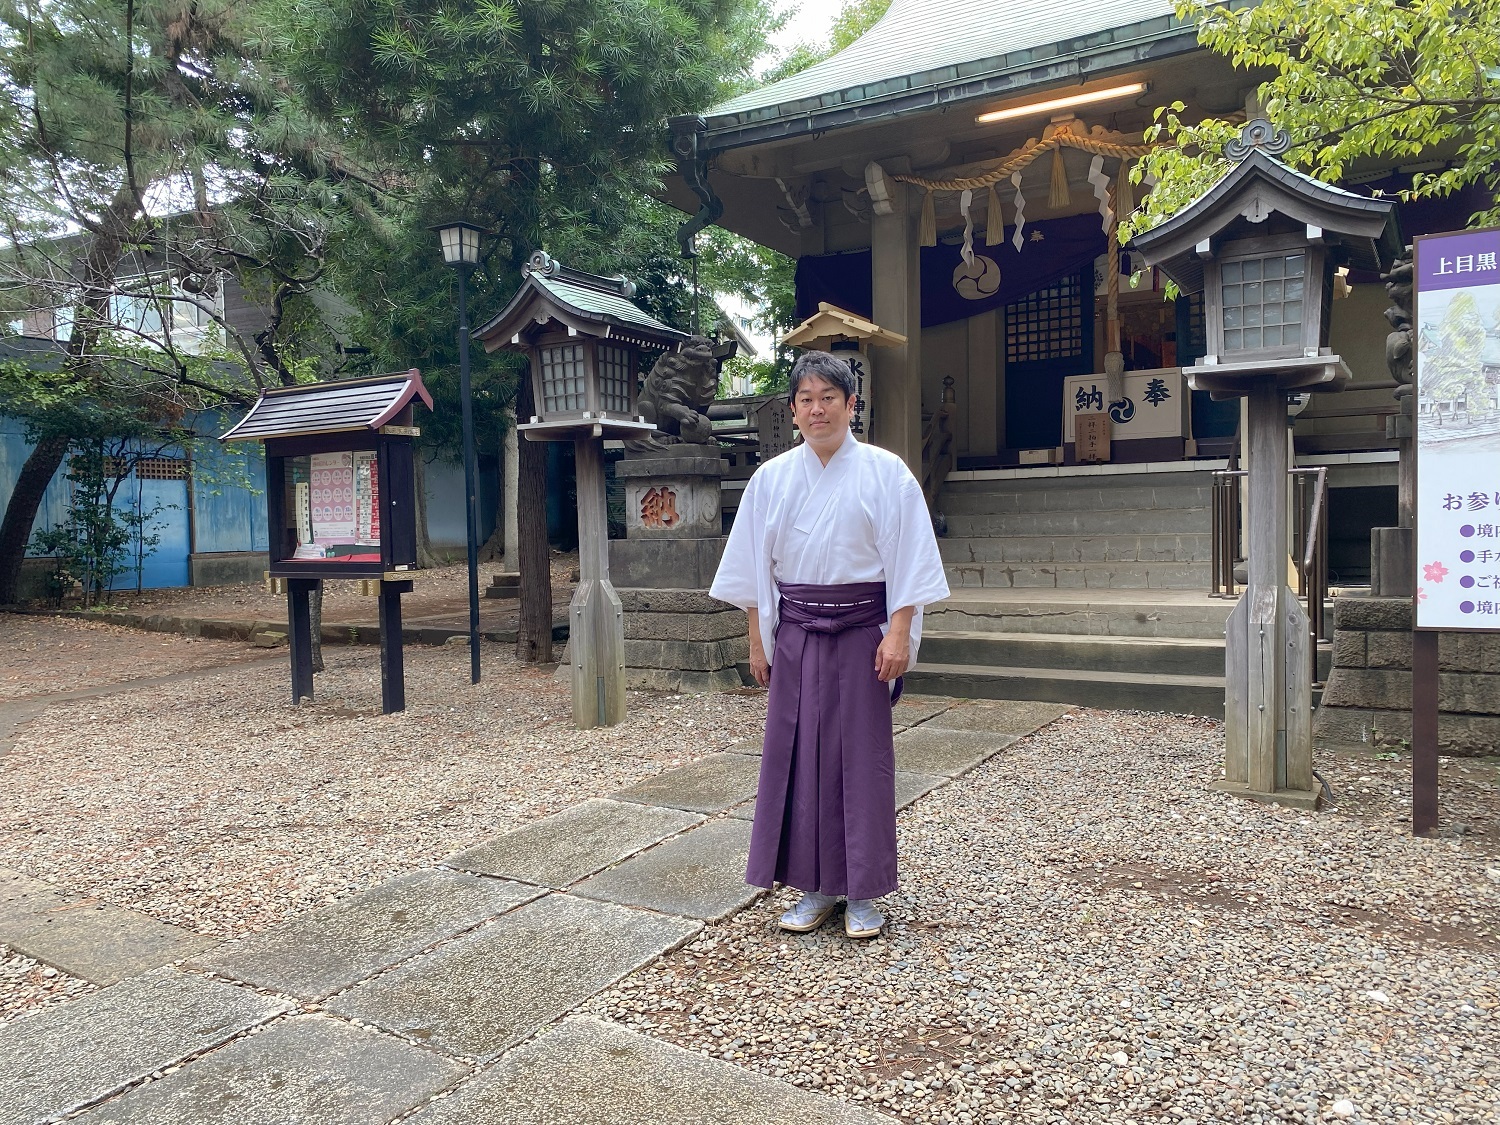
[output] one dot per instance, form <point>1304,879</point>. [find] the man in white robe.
<point>832,557</point>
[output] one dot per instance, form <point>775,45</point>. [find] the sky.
<point>811,23</point>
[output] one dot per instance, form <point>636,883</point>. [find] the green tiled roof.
<point>596,302</point>
<point>922,44</point>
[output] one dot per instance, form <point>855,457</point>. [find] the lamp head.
<point>460,243</point>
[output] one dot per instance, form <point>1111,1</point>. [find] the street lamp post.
<point>460,242</point>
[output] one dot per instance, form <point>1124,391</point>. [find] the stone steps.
<point>1077,548</point>
<point>1099,613</point>
<point>1115,521</point>
<point>1136,691</point>
<point>1129,530</point>
<point>1141,576</point>
<point>1087,493</point>
<point>1180,656</point>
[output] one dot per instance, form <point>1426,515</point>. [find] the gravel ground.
<point>41,655</point>
<point>214,804</point>
<point>1087,933</point>
<point>26,985</point>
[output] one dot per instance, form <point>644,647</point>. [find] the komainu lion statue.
<point>676,397</point>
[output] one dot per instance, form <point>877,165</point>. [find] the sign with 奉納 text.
<point>1456,337</point>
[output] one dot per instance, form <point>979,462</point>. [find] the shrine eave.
<point>341,406</point>
<point>1070,60</point>
<point>602,314</point>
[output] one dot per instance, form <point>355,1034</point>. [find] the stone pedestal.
<point>1393,561</point>
<point>1367,703</point>
<point>677,638</point>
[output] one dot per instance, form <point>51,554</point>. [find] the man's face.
<point>821,411</point>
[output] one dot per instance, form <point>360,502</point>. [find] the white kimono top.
<point>861,518</point>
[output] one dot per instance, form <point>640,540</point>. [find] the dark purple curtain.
<point>1052,249</point>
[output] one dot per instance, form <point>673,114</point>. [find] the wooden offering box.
<point>340,475</point>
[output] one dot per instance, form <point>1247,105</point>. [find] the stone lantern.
<point>1262,246</point>
<point>584,338</point>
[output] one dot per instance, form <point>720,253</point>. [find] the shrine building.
<point>954,176</point>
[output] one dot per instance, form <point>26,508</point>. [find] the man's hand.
<point>893,656</point>
<point>760,667</point>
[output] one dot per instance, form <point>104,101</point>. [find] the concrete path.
<point>441,991</point>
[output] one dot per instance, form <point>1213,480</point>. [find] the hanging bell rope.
<point>1124,192</point>
<point>927,232</point>
<point>1059,196</point>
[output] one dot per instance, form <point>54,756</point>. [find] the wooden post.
<point>392,663</point>
<point>1267,549</point>
<point>299,636</point>
<point>596,637</point>
<point>1268,696</point>
<point>1424,731</point>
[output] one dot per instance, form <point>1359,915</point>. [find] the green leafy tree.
<point>1353,83</point>
<point>538,119</point>
<point>149,148</point>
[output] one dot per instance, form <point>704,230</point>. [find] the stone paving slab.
<point>706,786</point>
<point>561,849</point>
<point>61,1058</point>
<point>23,899</point>
<point>490,989</point>
<point>909,712</point>
<point>700,874</point>
<point>101,943</point>
<point>305,1069</point>
<point>928,749</point>
<point>319,953</point>
<point>909,788</point>
<point>588,1071</point>
<point>751,746</point>
<point>1000,716</point>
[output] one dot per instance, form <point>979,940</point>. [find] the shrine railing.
<point>1309,540</point>
<point>937,452</point>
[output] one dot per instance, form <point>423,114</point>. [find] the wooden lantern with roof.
<point>341,502</point>
<point>1263,245</point>
<point>584,337</point>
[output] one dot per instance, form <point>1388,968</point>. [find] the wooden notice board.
<point>1091,436</point>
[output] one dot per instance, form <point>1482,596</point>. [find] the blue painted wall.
<point>165,564</point>
<point>229,501</point>
<point>445,503</point>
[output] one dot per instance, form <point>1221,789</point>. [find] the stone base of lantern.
<point>677,638</point>
<point>683,640</point>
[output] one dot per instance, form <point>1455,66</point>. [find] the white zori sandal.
<point>809,914</point>
<point>861,919</point>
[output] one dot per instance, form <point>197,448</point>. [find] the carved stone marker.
<point>676,636</point>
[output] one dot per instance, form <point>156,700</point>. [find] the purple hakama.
<point>825,814</point>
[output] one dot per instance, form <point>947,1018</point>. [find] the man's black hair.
<point>830,368</point>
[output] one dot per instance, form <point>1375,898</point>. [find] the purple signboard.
<point>1456,336</point>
